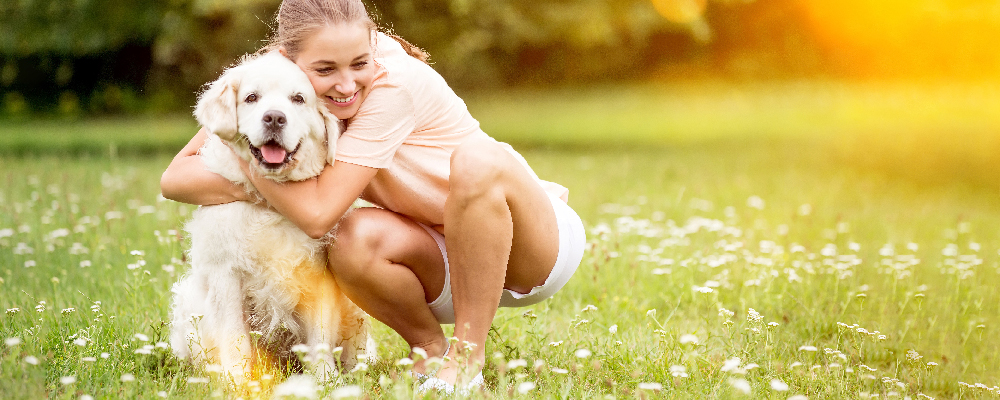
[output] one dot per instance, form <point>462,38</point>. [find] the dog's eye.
<point>298,99</point>
<point>252,97</point>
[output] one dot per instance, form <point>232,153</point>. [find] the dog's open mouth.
<point>272,155</point>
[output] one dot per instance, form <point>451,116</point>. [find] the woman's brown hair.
<point>299,18</point>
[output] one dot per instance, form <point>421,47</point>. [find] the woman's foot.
<point>435,383</point>
<point>425,364</point>
<point>456,371</point>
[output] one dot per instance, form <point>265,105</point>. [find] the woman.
<point>463,224</point>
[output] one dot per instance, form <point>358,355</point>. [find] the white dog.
<point>253,271</point>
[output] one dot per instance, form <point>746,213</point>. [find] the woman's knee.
<point>356,244</point>
<point>479,168</point>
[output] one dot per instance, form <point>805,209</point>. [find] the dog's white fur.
<point>252,269</point>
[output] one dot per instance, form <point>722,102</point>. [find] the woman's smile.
<point>343,101</point>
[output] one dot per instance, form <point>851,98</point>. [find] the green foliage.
<point>75,28</point>
<point>506,41</point>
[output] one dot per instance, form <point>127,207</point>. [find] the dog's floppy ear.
<point>216,109</point>
<point>333,129</point>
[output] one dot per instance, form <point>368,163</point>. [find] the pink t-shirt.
<point>408,126</point>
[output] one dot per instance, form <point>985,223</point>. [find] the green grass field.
<point>772,234</point>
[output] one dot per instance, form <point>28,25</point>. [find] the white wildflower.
<point>613,329</point>
<point>582,353</point>
<point>360,367</point>
<point>404,362</point>
<point>31,360</point>
<point>66,380</point>
<point>741,385</point>
<point>807,348</point>
<point>560,371</point>
<point>126,377</point>
<point>688,338</point>
<point>346,392</point>
<point>518,363</point>
<point>525,387</point>
<point>731,365</point>
<point>650,386</point>
<point>778,385</point>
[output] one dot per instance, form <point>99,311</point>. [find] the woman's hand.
<point>314,205</point>
<point>186,180</point>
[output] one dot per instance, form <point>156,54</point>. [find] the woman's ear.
<point>334,127</point>
<point>216,109</point>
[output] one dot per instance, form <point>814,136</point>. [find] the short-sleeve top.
<point>407,127</point>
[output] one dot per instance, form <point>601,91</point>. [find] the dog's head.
<point>265,108</point>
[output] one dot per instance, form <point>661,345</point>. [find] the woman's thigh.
<point>535,240</point>
<point>371,235</point>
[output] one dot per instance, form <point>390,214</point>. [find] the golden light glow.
<point>680,11</point>
<point>911,35</point>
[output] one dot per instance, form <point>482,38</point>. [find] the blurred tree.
<point>87,56</point>
<point>197,38</point>
<point>528,41</point>
<point>106,54</point>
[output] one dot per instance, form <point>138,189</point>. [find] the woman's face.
<point>338,61</point>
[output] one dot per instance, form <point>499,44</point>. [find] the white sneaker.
<point>440,384</point>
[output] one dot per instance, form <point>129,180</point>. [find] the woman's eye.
<point>252,97</point>
<point>324,71</point>
<point>359,65</point>
<point>298,99</point>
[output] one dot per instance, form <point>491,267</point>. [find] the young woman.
<point>463,225</point>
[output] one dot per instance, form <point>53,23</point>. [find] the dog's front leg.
<point>229,327</point>
<point>321,315</point>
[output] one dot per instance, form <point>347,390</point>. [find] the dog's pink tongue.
<point>273,153</point>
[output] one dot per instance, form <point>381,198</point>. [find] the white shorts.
<point>572,242</point>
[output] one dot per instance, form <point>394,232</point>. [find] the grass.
<point>799,227</point>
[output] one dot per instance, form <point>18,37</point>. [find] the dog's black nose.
<point>274,120</point>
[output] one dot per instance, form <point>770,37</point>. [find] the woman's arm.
<point>317,204</point>
<point>186,180</point>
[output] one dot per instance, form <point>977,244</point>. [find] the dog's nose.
<point>274,120</point>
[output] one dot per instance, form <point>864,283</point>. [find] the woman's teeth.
<point>343,99</point>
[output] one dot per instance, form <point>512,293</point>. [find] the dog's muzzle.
<point>272,154</point>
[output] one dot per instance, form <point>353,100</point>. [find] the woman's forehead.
<point>336,44</point>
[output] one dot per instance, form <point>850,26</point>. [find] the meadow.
<point>801,240</point>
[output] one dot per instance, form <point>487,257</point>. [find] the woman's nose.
<point>346,86</point>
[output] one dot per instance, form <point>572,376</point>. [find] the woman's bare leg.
<point>500,231</point>
<point>383,262</point>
